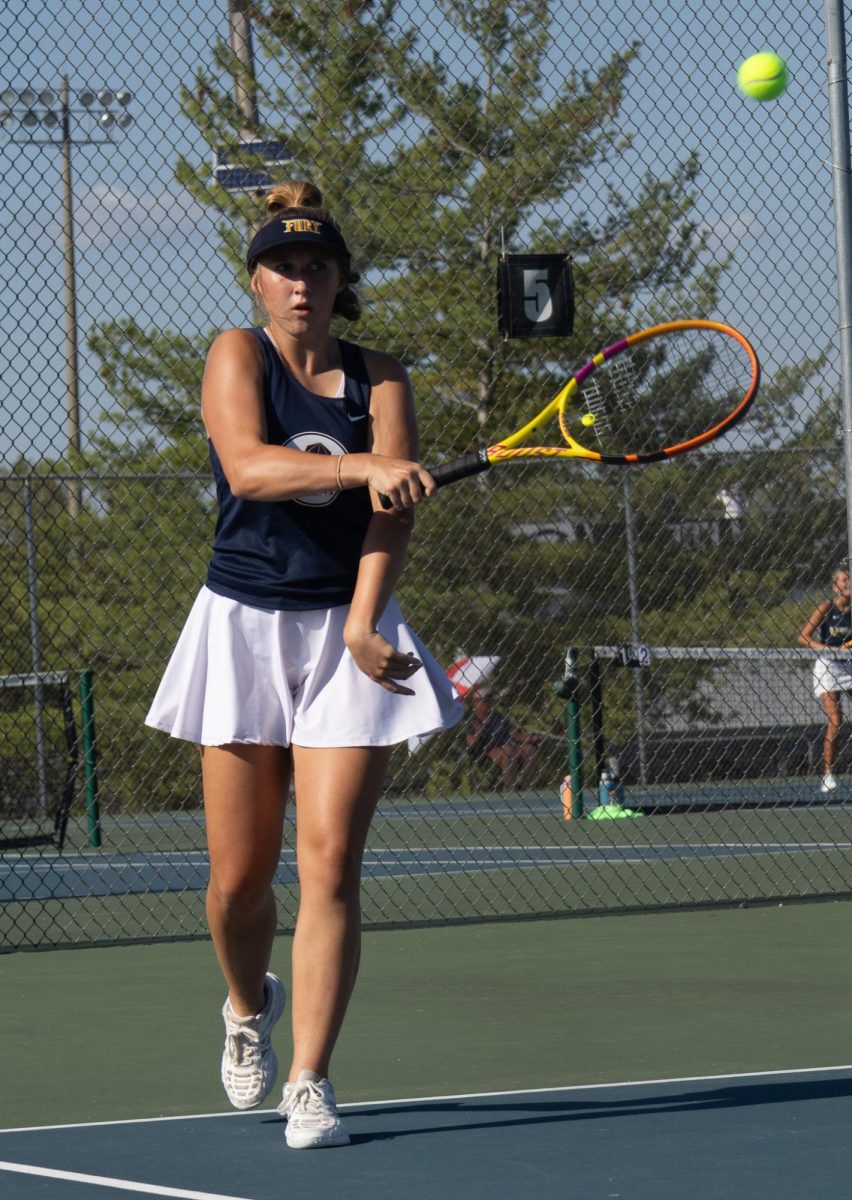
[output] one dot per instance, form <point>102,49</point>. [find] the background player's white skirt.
<point>241,674</point>
<point>832,675</point>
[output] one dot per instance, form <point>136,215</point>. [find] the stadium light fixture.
<point>40,116</point>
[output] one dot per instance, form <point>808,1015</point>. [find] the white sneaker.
<point>829,783</point>
<point>311,1111</point>
<point>249,1063</point>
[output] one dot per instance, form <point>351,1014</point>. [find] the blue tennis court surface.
<point>775,1136</point>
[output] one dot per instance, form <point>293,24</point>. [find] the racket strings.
<point>606,398</point>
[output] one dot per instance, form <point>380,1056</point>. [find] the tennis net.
<point>695,728</point>
<point>38,767</point>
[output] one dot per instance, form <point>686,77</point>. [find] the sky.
<point>146,250</point>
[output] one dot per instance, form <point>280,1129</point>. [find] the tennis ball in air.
<point>762,76</point>
<point>587,419</point>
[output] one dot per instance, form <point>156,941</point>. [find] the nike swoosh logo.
<point>359,417</point>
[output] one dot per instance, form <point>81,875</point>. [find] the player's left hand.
<point>382,662</point>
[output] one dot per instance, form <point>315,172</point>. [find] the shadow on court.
<point>524,1114</point>
<point>768,1137</point>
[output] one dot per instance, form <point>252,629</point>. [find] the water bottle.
<point>567,797</point>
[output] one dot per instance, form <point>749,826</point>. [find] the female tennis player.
<point>827,628</point>
<point>295,665</point>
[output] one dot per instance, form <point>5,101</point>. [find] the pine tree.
<point>432,170</point>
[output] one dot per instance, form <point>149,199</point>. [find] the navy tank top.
<point>836,627</point>
<point>303,553</point>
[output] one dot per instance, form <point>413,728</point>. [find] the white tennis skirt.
<point>832,675</point>
<point>241,674</point>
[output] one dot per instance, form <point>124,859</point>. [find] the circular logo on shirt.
<point>316,443</point>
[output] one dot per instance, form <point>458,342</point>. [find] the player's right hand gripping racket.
<point>661,392</point>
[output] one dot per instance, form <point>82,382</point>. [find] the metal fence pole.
<point>35,643</point>
<point>838,105</point>
<point>635,631</point>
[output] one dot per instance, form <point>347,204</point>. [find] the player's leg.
<point>245,790</point>
<point>336,794</point>
<point>834,720</point>
<point>505,762</point>
<point>525,748</point>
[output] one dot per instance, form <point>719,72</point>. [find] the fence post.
<point>35,643</point>
<point>635,631</point>
<point>838,104</point>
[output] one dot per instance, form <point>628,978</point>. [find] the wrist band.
<point>337,482</point>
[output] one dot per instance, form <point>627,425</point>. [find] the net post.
<point>90,758</point>
<point>596,703</point>
<point>568,688</point>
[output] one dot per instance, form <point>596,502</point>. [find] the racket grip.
<point>459,468</point>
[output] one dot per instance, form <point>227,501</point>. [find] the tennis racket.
<point>654,394</point>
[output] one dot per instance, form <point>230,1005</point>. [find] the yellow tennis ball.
<point>762,76</point>
<point>587,419</point>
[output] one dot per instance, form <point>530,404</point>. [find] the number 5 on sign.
<point>538,301</point>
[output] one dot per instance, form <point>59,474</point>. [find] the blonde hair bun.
<point>296,194</point>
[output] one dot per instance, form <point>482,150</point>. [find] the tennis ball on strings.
<point>762,76</point>
<point>587,419</point>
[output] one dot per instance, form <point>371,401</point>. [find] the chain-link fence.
<point>135,138</point>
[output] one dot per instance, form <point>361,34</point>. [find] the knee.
<point>500,757</point>
<point>332,869</point>
<point>237,894</point>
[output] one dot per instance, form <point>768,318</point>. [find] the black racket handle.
<point>459,468</point>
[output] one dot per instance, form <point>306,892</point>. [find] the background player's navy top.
<point>304,553</point>
<point>836,627</point>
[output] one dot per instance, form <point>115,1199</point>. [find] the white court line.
<point>457,856</point>
<point>125,1185</point>
<point>367,1104</point>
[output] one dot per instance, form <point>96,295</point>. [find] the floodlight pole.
<point>53,128</point>
<point>838,106</point>
<point>71,352</point>
<point>245,84</point>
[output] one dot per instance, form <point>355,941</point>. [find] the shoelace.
<point>306,1097</point>
<point>243,1044</point>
